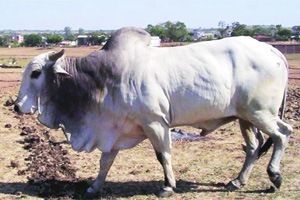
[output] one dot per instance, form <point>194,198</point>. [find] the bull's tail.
<point>267,145</point>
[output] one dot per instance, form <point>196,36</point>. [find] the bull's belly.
<point>127,142</point>
<point>202,103</point>
<point>200,116</point>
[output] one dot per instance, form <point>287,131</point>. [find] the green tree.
<point>32,40</point>
<point>68,30</point>
<point>68,34</point>
<point>97,38</point>
<point>240,29</point>
<point>54,39</point>
<point>81,31</point>
<point>222,28</point>
<point>296,32</point>
<point>264,30</point>
<point>4,40</point>
<point>157,30</point>
<point>176,32</point>
<point>284,34</point>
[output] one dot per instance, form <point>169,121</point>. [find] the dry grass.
<point>201,168</point>
<point>30,52</point>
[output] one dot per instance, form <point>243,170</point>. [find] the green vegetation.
<point>32,40</point>
<point>54,39</point>
<point>4,40</point>
<point>97,38</point>
<point>279,33</point>
<point>168,31</point>
<point>68,34</point>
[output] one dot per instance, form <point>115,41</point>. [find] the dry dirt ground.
<point>36,163</point>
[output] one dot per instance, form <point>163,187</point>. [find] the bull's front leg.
<point>253,142</point>
<point>106,161</point>
<point>159,136</point>
<point>165,160</point>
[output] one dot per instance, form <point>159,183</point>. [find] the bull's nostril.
<point>16,108</point>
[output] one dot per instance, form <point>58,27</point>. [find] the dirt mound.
<point>49,169</point>
<point>10,66</point>
<point>292,110</point>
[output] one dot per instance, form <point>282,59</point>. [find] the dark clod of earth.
<point>9,102</point>
<point>10,66</point>
<point>7,126</point>
<point>292,110</point>
<point>49,170</point>
<point>14,164</point>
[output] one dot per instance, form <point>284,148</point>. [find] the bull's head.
<point>34,81</point>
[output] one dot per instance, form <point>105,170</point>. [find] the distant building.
<point>264,38</point>
<point>67,43</point>
<point>204,34</point>
<point>82,40</point>
<point>155,41</point>
<point>17,38</point>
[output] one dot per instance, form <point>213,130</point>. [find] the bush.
<point>32,40</point>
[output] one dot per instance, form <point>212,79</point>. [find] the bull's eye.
<point>35,74</point>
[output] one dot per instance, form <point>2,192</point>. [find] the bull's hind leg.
<point>159,136</point>
<point>280,133</point>
<point>280,138</point>
<point>252,147</point>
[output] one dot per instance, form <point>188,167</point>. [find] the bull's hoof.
<point>91,195</point>
<point>165,192</point>
<point>277,180</point>
<point>233,185</point>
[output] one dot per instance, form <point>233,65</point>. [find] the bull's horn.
<point>55,56</point>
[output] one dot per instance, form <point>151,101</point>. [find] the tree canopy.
<point>241,29</point>
<point>80,31</point>
<point>68,34</point>
<point>54,39</point>
<point>284,34</point>
<point>4,40</point>
<point>170,31</point>
<point>97,38</point>
<point>32,40</point>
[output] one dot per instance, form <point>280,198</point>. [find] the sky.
<point>114,14</point>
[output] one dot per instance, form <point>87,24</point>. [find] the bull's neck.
<point>92,69</point>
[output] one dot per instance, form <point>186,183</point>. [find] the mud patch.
<point>10,66</point>
<point>292,110</point>
<point>49,170</point>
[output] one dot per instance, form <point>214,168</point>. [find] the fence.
<point>287,49</point>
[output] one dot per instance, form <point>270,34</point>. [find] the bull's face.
<point>34,82</point>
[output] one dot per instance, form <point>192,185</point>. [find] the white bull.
<point>128,91</point>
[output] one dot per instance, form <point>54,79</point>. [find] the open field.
<point>30,52</point>
<point>34,166</point>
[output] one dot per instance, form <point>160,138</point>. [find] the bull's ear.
<point>55,56</point>
<point>60,72</point>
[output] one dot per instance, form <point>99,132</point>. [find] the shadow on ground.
<point>76,190</point>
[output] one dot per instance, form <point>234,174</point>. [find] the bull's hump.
<point>127,36</point>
